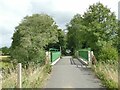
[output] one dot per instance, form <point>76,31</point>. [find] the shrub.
<point>108,54</point>
<point>37,56</point>
<point>27,56</point>
<point>48,68</point>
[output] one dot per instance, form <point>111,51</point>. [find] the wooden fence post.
<point>49,55</point>
<point>60,49</point>
<point>47,58</point>
<point>0,79</point>
<point>19,79</point>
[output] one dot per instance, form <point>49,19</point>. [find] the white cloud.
<point>13,11</point>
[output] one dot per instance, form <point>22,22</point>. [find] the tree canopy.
<point>31,36</point>
<point>95,28</point>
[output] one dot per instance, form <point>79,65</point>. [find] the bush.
<point>48,68</point>
<point>28,56</point>
<point>37,56</point>
<point>108,54</point>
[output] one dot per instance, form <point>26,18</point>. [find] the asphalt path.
<point>71,73</point>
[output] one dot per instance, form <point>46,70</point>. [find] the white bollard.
<point>89,56</point>
<point>19,79</point>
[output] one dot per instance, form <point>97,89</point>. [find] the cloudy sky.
<point>13,11</point>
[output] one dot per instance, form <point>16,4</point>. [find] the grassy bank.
<point>5,61</point>
<point>108,74</point>
<point>31,78</point>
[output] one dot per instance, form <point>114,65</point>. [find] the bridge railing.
<point>55,55</point>
<point>85,55</point>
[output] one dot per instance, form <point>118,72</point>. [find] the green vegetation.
<point>33,77</point>
<point>108,73</point>
<point>108,54</point>
<point>31,39</point>
<point>5,50</point>
<point>98,29</point>
<point>5,62</point>
<point>60,44</point>
<point>31,36</point>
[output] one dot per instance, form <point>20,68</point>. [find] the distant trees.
<point>76,33</point>
<point>5,50</point>
<point>62,40</point>
<point>61,44</point>
<point>96,28</point>
<point>31,37</point>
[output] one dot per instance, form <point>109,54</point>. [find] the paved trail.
<point>70,73</point>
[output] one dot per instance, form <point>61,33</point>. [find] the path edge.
<point>53,63</point>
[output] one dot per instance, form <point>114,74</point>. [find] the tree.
<point>31,36</point>
<point>75,33</point>
<point>103,25</point>
<point>118,39</point>
<point>61,42</point>
<point>97,27</point>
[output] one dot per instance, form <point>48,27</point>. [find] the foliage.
<point>31,36</point>
<point>61,42</point>
<point>118,39</point>
<point>48,68</point>
<point>75,33</point>
<point>108,74</point>
<point>5,50</point>
<point>108,53</point>
<point>33,77</point>
<point>93,29</point>
<point>6,65</point>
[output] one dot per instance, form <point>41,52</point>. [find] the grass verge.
<point>108,74</point>
<point>31,78</point>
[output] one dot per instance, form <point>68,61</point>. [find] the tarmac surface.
<point>71,73</point>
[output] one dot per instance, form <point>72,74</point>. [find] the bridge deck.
<point>70,73</point>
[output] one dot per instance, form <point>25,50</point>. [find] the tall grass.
<point>5,62</point>
<point>108,73</point>
<point>33,77</point>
